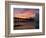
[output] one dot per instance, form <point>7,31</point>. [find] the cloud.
<point>24,13</point>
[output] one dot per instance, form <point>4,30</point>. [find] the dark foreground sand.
<point>24,23</point>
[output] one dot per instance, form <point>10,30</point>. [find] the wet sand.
<point>24,24</point>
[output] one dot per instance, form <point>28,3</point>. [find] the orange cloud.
<point>24,14</point>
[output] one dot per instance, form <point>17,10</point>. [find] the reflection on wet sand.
<point>20,23</point>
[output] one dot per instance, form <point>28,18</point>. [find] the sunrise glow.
<point>24,14</point>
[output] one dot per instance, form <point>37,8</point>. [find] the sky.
<point>24,12</point>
